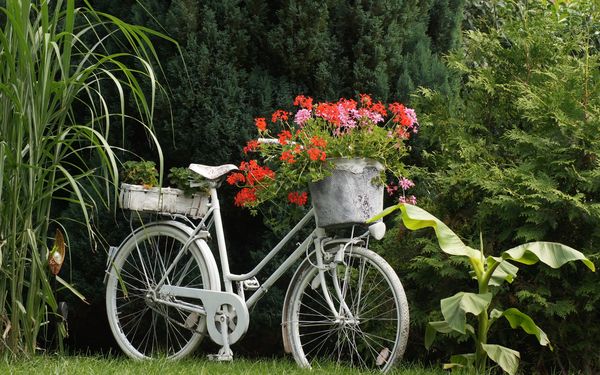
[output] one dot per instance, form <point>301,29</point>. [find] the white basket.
<point>162,200</point>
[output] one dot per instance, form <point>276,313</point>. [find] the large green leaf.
<point>553,254</point>
<point>455,308</point>
<point>415,218</point>
<point>505,271</point>
<point>506,358</point>
<point>517,319</point>
<point>442,326</point>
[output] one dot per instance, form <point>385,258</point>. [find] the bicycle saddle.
<point>210,172</point>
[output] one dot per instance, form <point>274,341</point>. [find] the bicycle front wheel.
<point>143,325</point>
<point>364,326</point>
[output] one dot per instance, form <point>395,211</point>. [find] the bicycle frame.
<point>229,278</point>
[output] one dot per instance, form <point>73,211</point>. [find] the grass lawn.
<point>66,365</point>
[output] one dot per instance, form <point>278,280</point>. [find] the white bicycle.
<point>165,293</point>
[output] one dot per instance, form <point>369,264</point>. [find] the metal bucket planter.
<point>349,195</point>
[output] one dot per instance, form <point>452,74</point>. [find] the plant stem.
<point>483,325</point>
<point>482,330</point>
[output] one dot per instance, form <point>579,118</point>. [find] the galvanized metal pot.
<point>349,196</point>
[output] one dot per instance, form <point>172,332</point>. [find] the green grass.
<point>66,365</point>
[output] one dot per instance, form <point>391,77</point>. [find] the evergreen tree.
<point>518,152</point>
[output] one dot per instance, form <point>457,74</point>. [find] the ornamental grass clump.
<point>56,82</point>
<point>294,149</point>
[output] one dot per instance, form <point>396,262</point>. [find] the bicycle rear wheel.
<point>369,333</point>
<point>143,326</point>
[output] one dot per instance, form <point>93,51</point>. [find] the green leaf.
<point>506,358</point>
<point>71,288</point>
<point>382,214</point>
<point>433,327</point>
<point>518,319</point>
<point>415,218</point>
<point>552,254</point>
<point>442,326</point>
<point>504,272</point>
<point>456,307</point>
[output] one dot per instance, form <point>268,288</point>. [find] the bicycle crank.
<point>213,302</point>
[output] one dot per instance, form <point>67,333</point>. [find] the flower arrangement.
<point>298,148</point>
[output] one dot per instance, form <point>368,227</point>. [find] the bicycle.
<point>163,292</point>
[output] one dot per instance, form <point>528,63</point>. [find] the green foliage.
<point>484,270</point>
<point>183,178</point>
<point>140,173</point>
<point>54,127</point>
<point>518,151</point>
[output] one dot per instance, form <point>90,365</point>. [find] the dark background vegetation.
<point>508,100</point>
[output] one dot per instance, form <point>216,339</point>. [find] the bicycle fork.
<point>342,312</point>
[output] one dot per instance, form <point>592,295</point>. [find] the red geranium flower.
<point>288,157</point>
<point>297,198</point>
<point>365,100</point>
<point>318,142</point>
<point>235,178</point>
<point>260,123</point>
<point>316,154</point>
<point>252,145</point>
<point>245,197</point>
<point>304,102</point>
<point>279,115</point>
<point>284,137</point>
<point>329,112</point>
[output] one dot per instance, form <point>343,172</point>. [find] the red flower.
<point>256,173</point>
<point>279,115</point>
<point>347,104</point>
<point>252,145</point>
<point>316,154</point>
<point>398,110</point>
<point>318,142</point>
<point>329,112</point>
<point>365,100</point>
<point>297,198</point>
<point>245,197</point>
<point>288,157</point>
<point>234,178</point>
<point>304,102</point>
<point>260,123</point>
<point>379,108</point>
<point>284,136</point>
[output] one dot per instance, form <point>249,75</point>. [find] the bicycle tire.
<point>146,329</point>
<point>374,336</point>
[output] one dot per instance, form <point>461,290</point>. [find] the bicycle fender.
<point>205,250</point>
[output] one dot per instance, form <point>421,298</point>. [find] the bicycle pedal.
<point>251,284</point>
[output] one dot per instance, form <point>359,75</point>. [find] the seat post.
<point>214,199</point>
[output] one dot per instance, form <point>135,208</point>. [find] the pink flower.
<point>405,183</point>
<point>302,116</point>
<point>391,189</point>
<point>410,200</point>
<point>410,113</point>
